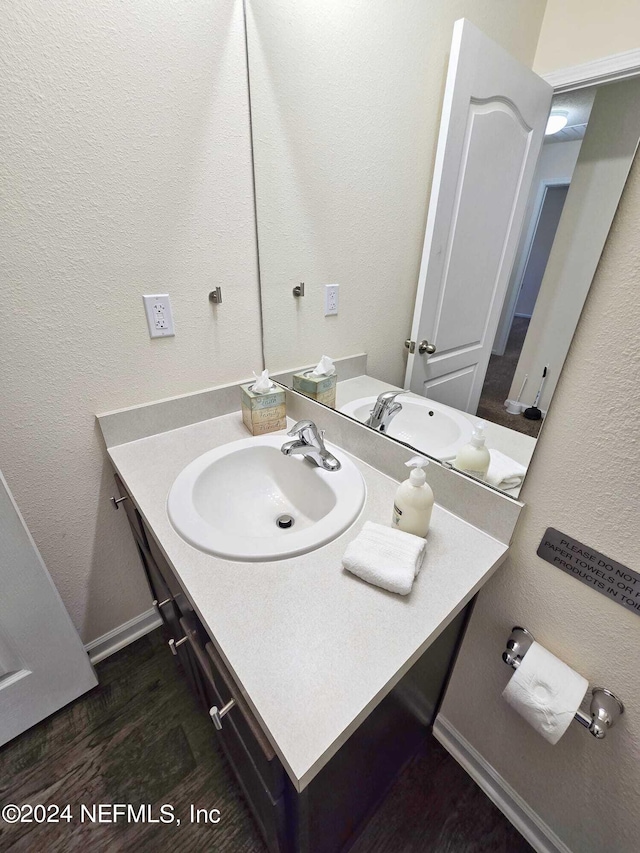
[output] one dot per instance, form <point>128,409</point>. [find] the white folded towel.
<point>385,557</point>
<point>504,472</point>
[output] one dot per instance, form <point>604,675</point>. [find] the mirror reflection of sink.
<point>437,429</point>
<point>247,501</point>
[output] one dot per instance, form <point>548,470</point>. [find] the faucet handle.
<point>308,432</point>
<point>299,427</point>
<point>388,396</point>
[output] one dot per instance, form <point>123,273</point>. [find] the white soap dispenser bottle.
<point>414,500</point>
<point>474,457</point>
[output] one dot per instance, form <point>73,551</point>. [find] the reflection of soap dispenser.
<point>414,500</point>
<point>474,457</point>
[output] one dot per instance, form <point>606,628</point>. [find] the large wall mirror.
<point>410,160</point>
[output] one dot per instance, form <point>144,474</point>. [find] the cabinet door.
<point>180,600</point>
<point>133,516</point>
<point>262,753</point>
<point>241,746</point>
<point>160,592</point>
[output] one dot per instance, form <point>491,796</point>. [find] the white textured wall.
<point>584,481</point>
<point>577,31</point>
<point>125,167</point>
<point>557,162</point>
<point>346,98</point>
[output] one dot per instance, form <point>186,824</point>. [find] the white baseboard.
<point>510,803</point>
<point>121,636</point>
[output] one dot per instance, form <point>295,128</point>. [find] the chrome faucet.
<point>384,411</point>
<point>310,444</point>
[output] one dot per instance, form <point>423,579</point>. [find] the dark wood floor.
<point>497,383</point>
<point>140,737</point>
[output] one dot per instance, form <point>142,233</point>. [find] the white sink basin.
<point>428,426</point>
<point>228,501</point>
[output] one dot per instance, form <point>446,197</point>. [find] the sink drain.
<point>284,522</point>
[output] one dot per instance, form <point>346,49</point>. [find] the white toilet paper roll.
<point>546,692</point>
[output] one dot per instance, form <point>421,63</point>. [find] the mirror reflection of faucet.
<point>384,411</point>
<point>310,444</point>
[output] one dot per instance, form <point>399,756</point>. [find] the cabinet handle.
<point>217,715</point>
<point>173,644</point>
<point>117,501</point>
<point>160,604</point>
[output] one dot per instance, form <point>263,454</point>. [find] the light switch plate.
<point>159,317</point>
<point>331,293</point>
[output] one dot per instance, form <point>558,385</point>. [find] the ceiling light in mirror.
<point>557,120</point>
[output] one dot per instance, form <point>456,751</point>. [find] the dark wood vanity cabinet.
<point>253,759</point>
<point>329,814</point>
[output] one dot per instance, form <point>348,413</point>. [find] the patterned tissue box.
<point>263,413</point>
<point>322,389</point>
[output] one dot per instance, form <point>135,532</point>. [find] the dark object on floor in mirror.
<point>533,413</point>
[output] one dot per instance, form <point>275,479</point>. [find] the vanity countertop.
<point>313,648</point>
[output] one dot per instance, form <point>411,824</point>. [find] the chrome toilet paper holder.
<point>605,705</point>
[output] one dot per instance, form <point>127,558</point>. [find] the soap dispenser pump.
<point>474,457</point>
<point>414,500</point>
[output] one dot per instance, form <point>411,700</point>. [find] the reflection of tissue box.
<point>319,388</point>
<point>262,413</point>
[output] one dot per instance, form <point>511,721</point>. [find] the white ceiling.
<point>578,106</point>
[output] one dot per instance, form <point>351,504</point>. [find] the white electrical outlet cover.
<point>157,307</point>
<point>331,294</point>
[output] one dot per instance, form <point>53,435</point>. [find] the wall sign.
<point>609,577</point>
